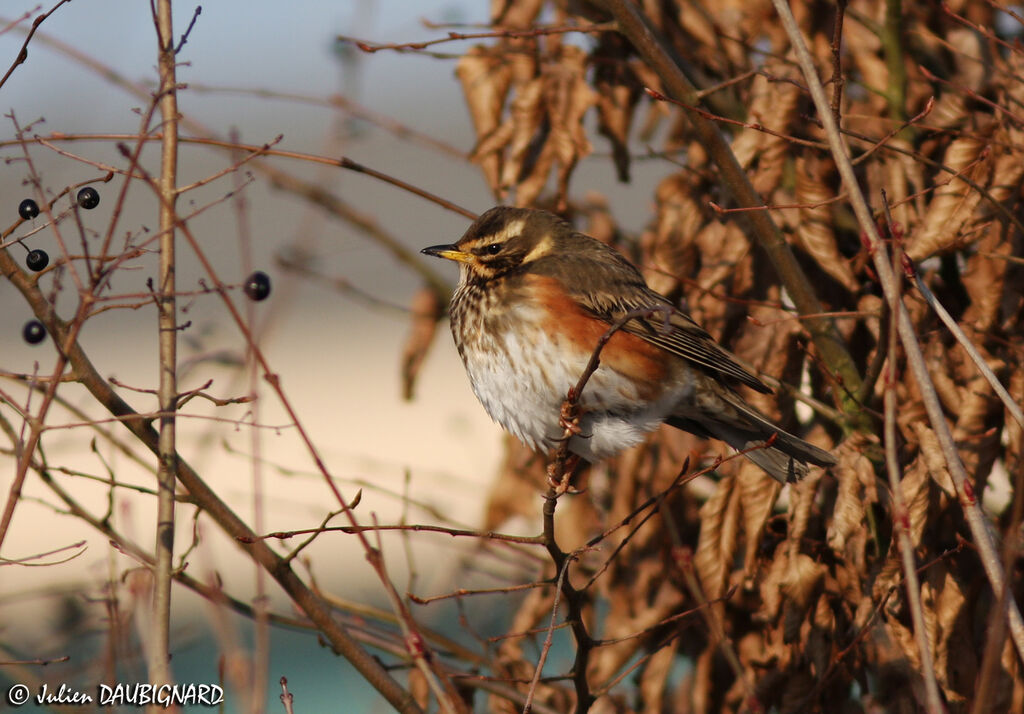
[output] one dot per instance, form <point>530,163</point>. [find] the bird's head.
<point>502,240</point>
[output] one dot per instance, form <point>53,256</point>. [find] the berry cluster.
<point>256,286</point>
<point>37,259</point>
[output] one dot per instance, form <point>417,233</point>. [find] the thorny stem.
<point>979,526</point>
<point>637,27</point>
<point>159,647</point>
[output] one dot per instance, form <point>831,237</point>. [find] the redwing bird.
<point>533,300</point>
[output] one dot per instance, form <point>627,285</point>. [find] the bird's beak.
<point>448,251</point>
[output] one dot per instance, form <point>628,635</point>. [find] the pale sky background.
<point>338,360</point>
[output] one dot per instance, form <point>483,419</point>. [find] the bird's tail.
<point>743,427</point>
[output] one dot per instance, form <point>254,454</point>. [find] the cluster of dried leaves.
<point>740,596</point>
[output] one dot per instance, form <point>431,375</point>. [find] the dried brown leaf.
<point>427,311</point>
<point>669,251</point>
<point>568,96</point>
<point>515,14</point>
<point>758,492</point>
<point>772,103</point>
<point>853,471</point>
<point>815,230</point>
<point>954,203</point>
<point>525,116</point>
<point>719,531</point>
<point>931,453</point>
<point>771,585</point>
<point>618,91</point>
<point>724,252</point>
<point>654,678</point>
<point>801,504</point>
<point>915,487</point>
<point>943,603</point>
<point>801,585</point>
<point>485,78</point>
<point>984,277</point>
<point>820,643</point>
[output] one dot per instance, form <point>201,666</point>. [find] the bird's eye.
<point>493,249</point>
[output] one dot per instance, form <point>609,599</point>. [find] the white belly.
<point>523,378</point>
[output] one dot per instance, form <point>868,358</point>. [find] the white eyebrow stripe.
<point>511,229</point>
<point>542,248</point>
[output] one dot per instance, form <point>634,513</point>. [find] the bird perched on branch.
<point>535,297</point>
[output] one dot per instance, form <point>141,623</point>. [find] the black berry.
<point>88,198</point>
<point>33,332</point>
<point>257,286</point>
<point>37,260</point>
<point>28,209</point>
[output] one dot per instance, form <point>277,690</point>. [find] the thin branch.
<point>23,52</point>
<point>1011,405</point>
<point>900,515</point>
<point>370,48</point>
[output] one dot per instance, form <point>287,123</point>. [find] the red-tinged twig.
<point>23,52</point>
<point>559,473</point>
<point>286,697</point>
<point>28,445</point>
<point>838,80</point>
<point>884,141</point>
<point>970,93</point>
<point>900,513</point>
<point>982,30</point>
<point>976,520</point>
<point>756,126</point>
<point>40,661</point>
<point>463,592</point>
<point>412,528</point>
<point>308,190</point>
<point>348,106</point>
<point>25,561</point>
<point>548,638</point>
<point>370,47</point>
<point>720,210</point>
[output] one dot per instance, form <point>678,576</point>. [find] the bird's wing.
<point>685,338</point>
<point>627,292</point>
<point>614,288</point>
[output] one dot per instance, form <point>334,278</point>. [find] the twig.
<point>548,638</point>
<point>900,517</point>
<point>370,48</point>
<point>286,697</point>
<point>965,342</point>
<point>23,52</point>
